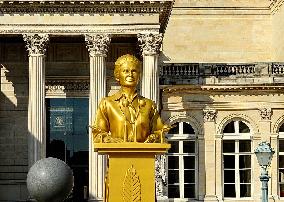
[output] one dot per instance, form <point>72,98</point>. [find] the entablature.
<point>91,16</point>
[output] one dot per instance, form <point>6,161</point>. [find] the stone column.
<point>150,45</point>
<point>36,46</point>
<point>210,154</point>
<point>97,46</point>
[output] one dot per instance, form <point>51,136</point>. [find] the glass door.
<point>67,139</point>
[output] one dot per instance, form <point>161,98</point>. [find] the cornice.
<point>75,29</point>
<point>256,89</point>
<point>161,7</point>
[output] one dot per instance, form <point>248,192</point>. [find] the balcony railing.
<point>203,73</point>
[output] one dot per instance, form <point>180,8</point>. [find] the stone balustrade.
<point>217,73</point>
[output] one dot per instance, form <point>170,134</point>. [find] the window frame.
<point>237,137</point>
<point>180,138</point>
<point>280,137</point>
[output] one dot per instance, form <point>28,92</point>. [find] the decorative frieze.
<point>209,115</point>
<point>67,86</point>
<point>36,43</point>
<point>150,43</point>
<point>97,44</point>
<point>265,113</point>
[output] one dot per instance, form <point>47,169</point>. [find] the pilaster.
<point>273,189</point>
<point>36,45</point>
<point>97,46</point>
<point>219,173</point>
<point>209,116</point>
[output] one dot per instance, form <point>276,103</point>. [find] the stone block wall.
<point>13,119</point>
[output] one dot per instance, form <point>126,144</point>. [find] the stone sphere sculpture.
<point>50,180</point>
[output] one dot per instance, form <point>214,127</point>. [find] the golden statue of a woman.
<point>127,116</point>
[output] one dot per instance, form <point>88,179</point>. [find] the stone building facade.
<point>214,68</point>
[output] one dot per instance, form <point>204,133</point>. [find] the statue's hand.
<point>152,138</point>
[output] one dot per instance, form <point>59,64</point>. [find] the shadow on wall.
<point>13,119</point>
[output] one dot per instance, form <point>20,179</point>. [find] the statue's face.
<point>128,74</point>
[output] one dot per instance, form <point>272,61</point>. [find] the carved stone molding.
<point>36,43</point>
<point>265,113</point>
<point>62,87</point>
<point>209,115</point>
<point>161,177</point>
<point>97,44</point>
<point>150,43</point>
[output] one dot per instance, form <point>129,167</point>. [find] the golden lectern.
<point>131,171</point>
<point>129,130</point>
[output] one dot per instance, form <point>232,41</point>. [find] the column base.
<point>211,198</point>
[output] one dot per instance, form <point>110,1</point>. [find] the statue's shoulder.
<point>148,102</point>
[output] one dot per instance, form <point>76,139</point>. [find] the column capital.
<point>209,115</point>
<point>36,44</point>
<point>150,43</point>
<point>265,114</point>
<point>97,44</point>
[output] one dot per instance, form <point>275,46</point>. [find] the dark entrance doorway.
<point>67,139</point>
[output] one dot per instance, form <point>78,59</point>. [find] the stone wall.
<point>278,30</point>
<point>13,119</point>
<point>209,34</point>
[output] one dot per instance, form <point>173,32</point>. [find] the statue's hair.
<point>125,59</point>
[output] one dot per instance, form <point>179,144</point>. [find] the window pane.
<point>281,161</point>
<point>188,146</point>
<point>189,191</point>
<point>244,128</point>
<point>189,162</point>
<point>245,176</point>
<point>229,190</point>
<point>228,146</point>
<point>245,145</point>
<point>281,145</point>
<point>229,128</point>
<point>229,161</point>
<point>245,190</point>
<point>281,190</point>
<point>173,162</point>
<point>189,176</point>
<point>173,176</point>
<point>187,129</point>
<point>174,147</point>
<point>173,191</point>
<point>245,161</point>
<point>174,130</point>
<point>281,129</point>
<point>281,175</point>
<point>229,176</point>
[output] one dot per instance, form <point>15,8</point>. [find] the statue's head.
<point>127,70</point>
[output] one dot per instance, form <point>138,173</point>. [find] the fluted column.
<point>36,46</point>
<point>97,46</point>
<point>150,45</point>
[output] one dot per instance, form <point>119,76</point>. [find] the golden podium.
<point>129,129</point>
<point>131,171</point>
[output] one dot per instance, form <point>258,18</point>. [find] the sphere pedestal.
<point>50,180</point>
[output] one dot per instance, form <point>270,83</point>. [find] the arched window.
<point>182,162</point>
<point>281,161</point>
<point>237,160</point>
